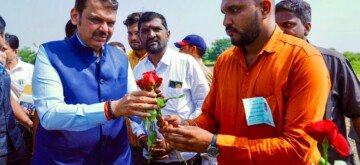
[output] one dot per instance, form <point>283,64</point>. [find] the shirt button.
<point>101,81</point>
<point>247,73</point>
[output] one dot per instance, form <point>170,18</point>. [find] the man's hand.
<point>159,150</point>
<point>134,104</point>
<point>188,138</point>
<point>166,121</point>
<point>26,111</point>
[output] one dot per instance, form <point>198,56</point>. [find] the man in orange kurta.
<point>264,62</point>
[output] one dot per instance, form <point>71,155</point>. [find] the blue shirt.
<point>53,112</point>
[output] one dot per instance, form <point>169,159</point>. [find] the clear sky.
<point>334,23</point>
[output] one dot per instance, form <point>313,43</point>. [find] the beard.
<point>248,34</point>
<point>155,49</point>
<point>137,47</point>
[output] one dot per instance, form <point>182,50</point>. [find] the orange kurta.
<point>293,78</point>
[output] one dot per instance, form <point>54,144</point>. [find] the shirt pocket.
<point>276,114</point>
<point>174,104</point>
<point>268,131</point>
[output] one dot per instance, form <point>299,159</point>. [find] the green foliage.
<point>209,63</point>
<point>217,47</point>
<point>354,59</point>
<point>27,55</point>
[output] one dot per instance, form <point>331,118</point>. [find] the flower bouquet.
<point>326,133</point>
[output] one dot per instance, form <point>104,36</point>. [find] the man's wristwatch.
<point>213,150</point>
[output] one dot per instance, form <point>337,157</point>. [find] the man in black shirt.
<point>294,18</point>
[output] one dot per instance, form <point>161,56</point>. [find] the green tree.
<point>27,55</point>
<point>354,59</point>
<point>217,47</point>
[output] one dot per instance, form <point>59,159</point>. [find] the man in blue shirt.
<point>12,148</point>
<point>82,89</point>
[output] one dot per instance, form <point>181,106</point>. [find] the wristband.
<point>106,110</point>
<point>111,113</point>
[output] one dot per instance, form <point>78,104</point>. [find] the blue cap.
<point>192,39</point>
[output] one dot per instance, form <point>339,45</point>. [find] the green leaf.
<point>151,139</point>
<point>160,102</point>
<point>145,121</point>
<point>153,114</point>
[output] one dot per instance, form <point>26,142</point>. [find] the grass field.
<point>354,59</point>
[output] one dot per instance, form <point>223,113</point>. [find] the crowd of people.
<point>250,109</point>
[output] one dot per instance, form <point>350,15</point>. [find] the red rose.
<point>149,81</point>
<point>326,128</point>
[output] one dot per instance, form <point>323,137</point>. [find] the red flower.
<point>149,81</point>
<point>326,128</point>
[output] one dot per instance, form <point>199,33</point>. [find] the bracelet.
<point>111,113</point>
<point>106,110</point>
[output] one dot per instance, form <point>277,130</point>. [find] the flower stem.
<point>177,97</point>
<point>325,146</point>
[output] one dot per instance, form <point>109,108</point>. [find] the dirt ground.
<point>352,143</point>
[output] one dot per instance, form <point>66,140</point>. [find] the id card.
<point>258,111</point>
<point>175,84</point>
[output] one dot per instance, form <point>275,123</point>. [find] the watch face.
<point>213,151</point>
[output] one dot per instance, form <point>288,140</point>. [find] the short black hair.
<point>81,4</point>
<point>150,15</point>
<point>133,18</point>
<point>2,25</point>
<point>300,8</point>
<point>12,40</point>
<point>70,29</point>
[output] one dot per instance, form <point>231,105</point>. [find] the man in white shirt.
<point>20,72</point>
<point>181,75</point>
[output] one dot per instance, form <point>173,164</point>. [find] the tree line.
<point>217,47</point>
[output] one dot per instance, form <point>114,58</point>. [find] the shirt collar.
<point>83,44</point>
<point>165,58</point>
<point>270,45</point>
<point>19,65</point>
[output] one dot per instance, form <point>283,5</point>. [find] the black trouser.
<point>27,137</point>
<point>136,156</point>
<point>20,156</point>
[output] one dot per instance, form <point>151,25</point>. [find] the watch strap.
<point>213,140</point>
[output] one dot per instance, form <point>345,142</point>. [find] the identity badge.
<point>258,111</point>
<point>175,84</point>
